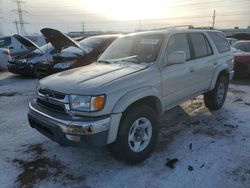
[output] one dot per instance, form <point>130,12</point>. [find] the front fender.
<point>134,95</point>
<point>218,70</point>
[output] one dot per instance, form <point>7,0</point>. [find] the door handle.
<point>191,69</point>
<point>215,62</point>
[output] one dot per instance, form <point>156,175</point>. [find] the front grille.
<point>53,100</point>
<point>51,106</point>
<point>56,95</point>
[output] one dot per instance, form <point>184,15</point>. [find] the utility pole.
<point>16,23</point>
<point>214,19</point>
<point>20,13</point>
<point>1,18</point>
<point>83,27</point>
<point>139,24</point>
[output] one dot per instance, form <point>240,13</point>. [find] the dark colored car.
<point>242,59</point>
<point>78,54</point>
<point>25,63</point>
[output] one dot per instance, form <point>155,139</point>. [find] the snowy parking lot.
<point>196,147</point>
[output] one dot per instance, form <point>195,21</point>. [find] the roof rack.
<point>177,26</point>
<point>183,27</point>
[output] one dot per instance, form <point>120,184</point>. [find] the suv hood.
<point>85,79</point>
<point>59,40</point>
<point>27,43</point>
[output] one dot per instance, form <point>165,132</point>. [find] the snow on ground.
<point>212,149</point>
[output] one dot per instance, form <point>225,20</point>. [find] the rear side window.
<point>4,42</point>
<point>179,42</point>
<point>220,41</point>
<point>201,45</point>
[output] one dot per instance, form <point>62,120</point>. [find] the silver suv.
<point>118,99</point>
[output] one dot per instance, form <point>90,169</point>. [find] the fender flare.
<point>125,101</point>
<point>135,95</point>
<point>218,70</point>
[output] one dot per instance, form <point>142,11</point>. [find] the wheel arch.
<point>222,70</point>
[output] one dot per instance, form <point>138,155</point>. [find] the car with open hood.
<point>117,100</point>
<point>26,62</point>
<point>242,58</point>
<point>23,63</point>
<point>77,54</point>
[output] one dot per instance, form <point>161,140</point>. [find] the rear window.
<point>200,45</point>
<point>4,42</point>
<point>220,41</point>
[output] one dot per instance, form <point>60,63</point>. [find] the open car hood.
<point>27,43</point>
<point>59,40</point>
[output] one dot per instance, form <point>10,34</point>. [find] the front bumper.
<point>67,130</point>
<point>23,69</point>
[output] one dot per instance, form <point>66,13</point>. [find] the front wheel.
<point>137,134</point>
<point>215,99</point>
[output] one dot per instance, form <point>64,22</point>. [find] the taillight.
<point>7,52</point>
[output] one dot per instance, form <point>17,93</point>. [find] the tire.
<point>215,99</point>
<point>134,143</point>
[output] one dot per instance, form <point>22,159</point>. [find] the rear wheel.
<point>137,135</point>
<point>215,99</point>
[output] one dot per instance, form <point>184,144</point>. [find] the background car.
<point>232,41</point>
<point>17,47</point>
<point>25,64</point>
<point>78,54</point>
<point>242,59</point>
<point>5,56</point>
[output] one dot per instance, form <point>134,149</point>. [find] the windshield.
<point>90,43</point>
<point>243,46</point>
<point>45,48</point>
<point>142,48</point>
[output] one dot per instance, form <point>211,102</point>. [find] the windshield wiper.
<point>104,61</point>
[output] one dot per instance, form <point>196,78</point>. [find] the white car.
<point>5,56</point>
<point>117,101</point>
<point>14,45</point>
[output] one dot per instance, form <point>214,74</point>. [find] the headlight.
<point>22,61</point>
<point>63,65</point>
<point>87,103</point>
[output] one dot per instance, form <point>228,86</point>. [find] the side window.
<point>5,41</point>
<point>220,41</point>
<point>179,42</point>
<point>200,45</point>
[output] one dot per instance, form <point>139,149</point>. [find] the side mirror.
<point>176,57</point>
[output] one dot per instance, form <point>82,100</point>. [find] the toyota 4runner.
<point>118,99</point>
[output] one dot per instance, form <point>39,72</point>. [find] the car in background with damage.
<point>24,63</point>
<point>77,54</point>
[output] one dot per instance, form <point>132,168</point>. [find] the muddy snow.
<point>196,147</point>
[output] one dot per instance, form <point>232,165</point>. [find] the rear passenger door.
<point>204,60</point>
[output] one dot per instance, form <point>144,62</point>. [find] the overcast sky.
<point>123,15</point>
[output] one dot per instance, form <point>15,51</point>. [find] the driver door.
<point>178,79</point>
